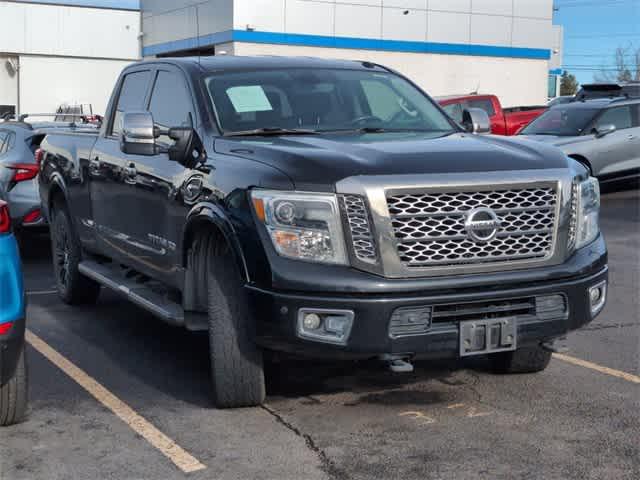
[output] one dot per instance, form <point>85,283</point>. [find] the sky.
<point>593,29</point>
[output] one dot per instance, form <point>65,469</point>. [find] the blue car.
<point>13,367</point>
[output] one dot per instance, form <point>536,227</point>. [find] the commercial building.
<point>506,47</point>
<point>65,52</point>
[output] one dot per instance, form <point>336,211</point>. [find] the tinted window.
<point>484,104</point>
<point>10,142</point>
<point>454,110</point>
<point>171,101</point>
<point>322,100</point>
<point>564,121</point>
<point>619,116</point>
<point>3,137</point>
<point>132,94</point>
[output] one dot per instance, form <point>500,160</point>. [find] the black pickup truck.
<point>321,208</point>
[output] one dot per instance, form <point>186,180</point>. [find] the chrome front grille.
<point>364,246</point>
<point>430,228</point>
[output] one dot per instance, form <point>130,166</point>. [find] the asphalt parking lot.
<point>576,420</point>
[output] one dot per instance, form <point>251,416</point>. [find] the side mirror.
<point>188,149</point>
<point>476,120</point>
<point>604,130</point>
<point>138,136</point>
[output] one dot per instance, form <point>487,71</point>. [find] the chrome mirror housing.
<point>138,135</point>
<point>476,120</point>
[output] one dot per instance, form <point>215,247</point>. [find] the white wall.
<point>47,82</point>
<point>516,81</point>
<point>517,23</point>
<point>8,82</point>
<point>69,31</point>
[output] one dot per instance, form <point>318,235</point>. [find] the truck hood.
<point>317,162</point>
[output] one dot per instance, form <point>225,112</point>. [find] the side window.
<point>10,142</point>
<point>636,120</point>
<point>621,117</point>
<point>383,101</point>
<point>484,104</point>
<point>454,110</point>
<point>132,93</point>
<point>171,103</point>
<point>3,137</point>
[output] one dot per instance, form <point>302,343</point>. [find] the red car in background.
<point>504,121</point>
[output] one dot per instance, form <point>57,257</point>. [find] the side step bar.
<point>143,296</point>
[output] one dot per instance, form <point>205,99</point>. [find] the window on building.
<point>553,86</point>
<point>132,95</point>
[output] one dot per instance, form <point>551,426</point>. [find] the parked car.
<point>13,366</point>
<point>608,90</point>
<point>603,135</point>
<point>19,167</point>
<point>504,121</point>
<point>323,208</point>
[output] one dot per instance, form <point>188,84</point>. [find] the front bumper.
<point>277,311</point>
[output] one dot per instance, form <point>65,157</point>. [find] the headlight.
<point>303,226</point>
<point>587,212</point>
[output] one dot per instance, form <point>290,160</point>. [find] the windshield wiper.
<point>266,131</point>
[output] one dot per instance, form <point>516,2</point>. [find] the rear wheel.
<point>73,287</point>
<point>14,395</point>
<point>523,360</point>
<point>237,372</point>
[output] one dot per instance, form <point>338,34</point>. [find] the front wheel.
<point>14,395</point>
<point>73,287</point>
<point>523,360</point>
<point>237,373</point>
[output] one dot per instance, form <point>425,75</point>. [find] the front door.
<point>156,188</point>
<point>619,151</point>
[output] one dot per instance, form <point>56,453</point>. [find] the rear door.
<point>114,210</point>
<point>155,192</point>
<point>619,151</point>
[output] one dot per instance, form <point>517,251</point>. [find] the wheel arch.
<point>208,217</point>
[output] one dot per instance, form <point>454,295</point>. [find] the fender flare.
<point>56,182</point>
<point>207,213</point>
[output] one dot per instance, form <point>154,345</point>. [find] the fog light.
<point>312,321</point>
<point>323,325</point>
<point>597,297</point>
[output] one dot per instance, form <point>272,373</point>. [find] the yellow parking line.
<point>598,368</point>
<point>183,460</point>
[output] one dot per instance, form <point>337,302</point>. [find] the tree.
<point>568,84</point>
<point>626,68</point>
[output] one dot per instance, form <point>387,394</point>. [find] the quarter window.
<point>132,95</point>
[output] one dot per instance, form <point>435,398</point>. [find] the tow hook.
<point>398,363</point>
<point>559,345</point>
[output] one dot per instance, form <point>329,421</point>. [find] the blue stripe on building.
<point>557,71</point>
<point>275,38</point>
<point>110,4</point>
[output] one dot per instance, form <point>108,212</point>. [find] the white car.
<point>603,135</point>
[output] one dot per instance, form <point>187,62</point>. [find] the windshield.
<point>563,121</point>
<point>321,100</point>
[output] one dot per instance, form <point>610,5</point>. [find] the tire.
<point>14,396</point>
<point>523,360</point>
<point>237,372</point>
<point>73,287</point>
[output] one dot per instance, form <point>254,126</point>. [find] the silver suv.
<point>603,135</point>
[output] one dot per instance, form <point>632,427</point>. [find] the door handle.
<point>631,137</point>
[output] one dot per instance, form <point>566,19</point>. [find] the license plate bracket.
<point>480,337</point>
